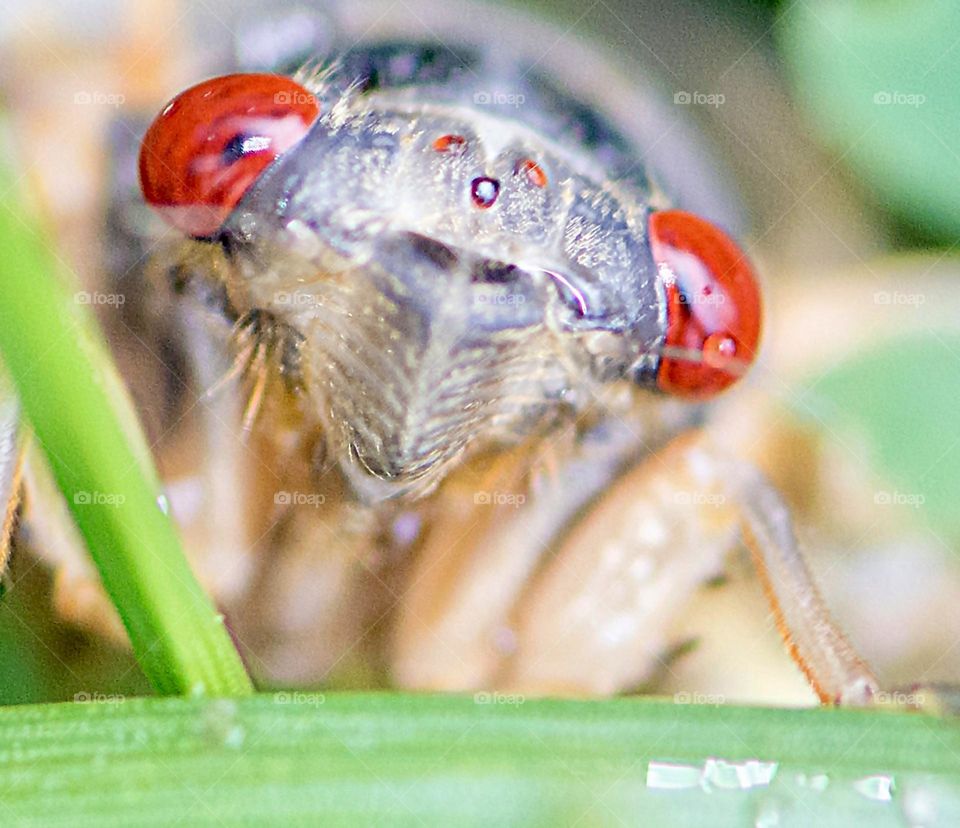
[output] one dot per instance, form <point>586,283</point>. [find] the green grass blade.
<point>84,423</point>
<point>345,759</point>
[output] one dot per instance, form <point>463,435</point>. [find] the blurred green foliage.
<point>41,658</point>
<point>880,85</point>
<point>879,82</point>
<point>900,397</point>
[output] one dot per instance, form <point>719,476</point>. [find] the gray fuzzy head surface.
<point>459,278</point>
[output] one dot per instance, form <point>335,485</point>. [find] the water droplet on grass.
<point>669,776</point>
<point>813,781</point>
<point>220,725</point>
<point>714,774</point>
<point>879,787</point>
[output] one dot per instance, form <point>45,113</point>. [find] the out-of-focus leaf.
<point>880,82</point>
<point>902,397</point>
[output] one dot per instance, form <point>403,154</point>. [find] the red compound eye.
<point>210,143</point>
<point>713,305</point>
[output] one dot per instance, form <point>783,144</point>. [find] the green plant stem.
<point>84,423</point>
<point>362,759</point>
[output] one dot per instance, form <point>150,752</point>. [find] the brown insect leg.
<point>832,666</point>
<point>599,616</point>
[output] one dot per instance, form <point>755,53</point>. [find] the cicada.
<point>426,351</point>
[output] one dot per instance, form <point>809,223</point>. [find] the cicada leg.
<point>501,597</point>
<point>828,660</point>
<point>832,666</point>
<point>598,618</point>
<point>312,608</point>
<point>565,583</point>
<point>632,565</point>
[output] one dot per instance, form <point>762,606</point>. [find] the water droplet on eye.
<point>164,504</point>
<point>484,191</point>
<point>714,774</point>
<point>879,787</point>
<point>719,351</point>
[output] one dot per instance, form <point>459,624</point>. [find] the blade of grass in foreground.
<point>345,759</point>
<point>84,423</point>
